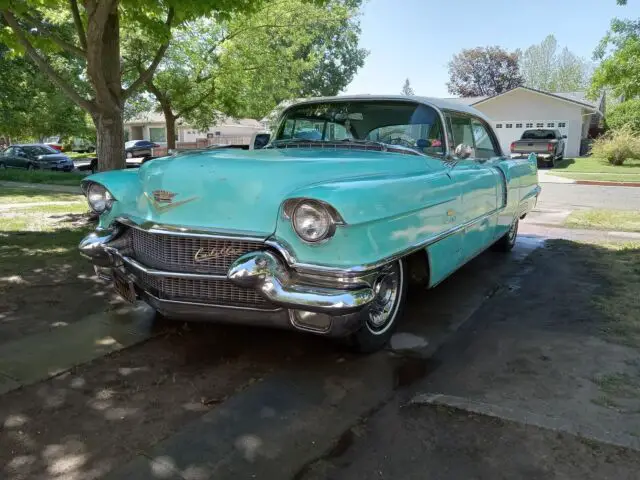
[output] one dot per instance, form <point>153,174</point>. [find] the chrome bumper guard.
<point>260,270</point>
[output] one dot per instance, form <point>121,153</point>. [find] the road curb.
<point>607,184</point>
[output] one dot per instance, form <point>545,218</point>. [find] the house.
<point>524,108</point>
<point>151,126</point>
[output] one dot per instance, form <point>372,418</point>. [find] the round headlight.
<point>99,198</point>
<point>312,222</point>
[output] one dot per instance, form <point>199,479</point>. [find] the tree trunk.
<point>103,69</point>
<point>170,120</point>
<point>110,140</point>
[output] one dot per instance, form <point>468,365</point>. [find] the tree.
<point>247,64</point>
<point>31,107</point>
<point>406,88</point>
<point>623,114</point>
<point>483,71</point>
<point>90,32</point>
<point>619,69</point>
<point>544,68</point>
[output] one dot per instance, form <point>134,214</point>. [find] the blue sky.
<point>417,38</point>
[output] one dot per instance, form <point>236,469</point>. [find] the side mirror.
<point>261,140</point>
<point>463,151</point>
<point>564,136</point>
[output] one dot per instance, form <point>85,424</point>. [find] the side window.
<point>10,151</point>
<point>461,131</point>
<point>483,144</point>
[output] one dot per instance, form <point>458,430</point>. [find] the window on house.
<point>498,125</point>
<point>551,125</point>
<point>518,125</point>
<point>157,134</point>
<point>539,125</point>
<point>529,125</point>
<point>509,125</point>
<point>562,124</point>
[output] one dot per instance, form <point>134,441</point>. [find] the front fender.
<point>383,217</point>
<point>124,185</point>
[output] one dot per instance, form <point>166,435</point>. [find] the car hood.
<point>242,191</point>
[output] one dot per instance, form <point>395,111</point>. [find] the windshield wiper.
<point>382,145</point>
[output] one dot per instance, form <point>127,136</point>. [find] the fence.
<point>204,143</point>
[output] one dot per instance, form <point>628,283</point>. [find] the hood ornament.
<point>162,200</point>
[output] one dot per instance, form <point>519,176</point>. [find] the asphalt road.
<point>566,196</point>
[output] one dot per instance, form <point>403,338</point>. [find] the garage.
<point>511,130</point>
<point>523,108</point>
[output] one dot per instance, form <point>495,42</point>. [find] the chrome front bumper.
<point>262,271</point>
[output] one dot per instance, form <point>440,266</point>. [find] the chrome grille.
<point>218,292</point>
<point>177,254</point>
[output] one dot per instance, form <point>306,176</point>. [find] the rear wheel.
<point>508,240</point>
<point>380,318</point>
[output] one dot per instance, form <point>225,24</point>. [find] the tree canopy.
<point>619,70</point>
<point>544,67</point>
<point>246,64</point>
<point>483,71</point>
<point>89,32</point>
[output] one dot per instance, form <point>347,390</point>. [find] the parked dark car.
<point>35,157</point>
<point>139,148</point>
<point>548,145</point>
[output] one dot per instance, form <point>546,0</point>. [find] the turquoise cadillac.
<point>322,230</point>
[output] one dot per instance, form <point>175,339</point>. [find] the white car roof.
<point>438,103</point>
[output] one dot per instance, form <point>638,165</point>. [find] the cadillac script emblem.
<point>163,196</point>
<point>205,254</point>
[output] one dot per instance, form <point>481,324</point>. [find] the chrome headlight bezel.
<point>99,198</point>
<point>296,210</point>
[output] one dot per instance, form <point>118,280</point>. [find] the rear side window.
<point>483,143</point>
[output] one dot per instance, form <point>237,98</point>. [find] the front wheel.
<point>380,318</point>
<point>508,240</point>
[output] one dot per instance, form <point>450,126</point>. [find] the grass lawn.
<point>18,195</point>
<point>40,234</point>
<point>79,156</point>
<point>54,178</point>
<point>600,219</point>
<point>590,168</point>
<point>619,264</point>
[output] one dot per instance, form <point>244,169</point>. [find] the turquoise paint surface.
<point>390,202</point>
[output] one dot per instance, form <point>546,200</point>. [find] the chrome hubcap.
<point>513,231</point>
<point>384,306</point>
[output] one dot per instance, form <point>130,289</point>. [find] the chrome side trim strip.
<point>360,269</point>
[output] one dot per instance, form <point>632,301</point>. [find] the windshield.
<point>538,135</point>
<point>406,124</point>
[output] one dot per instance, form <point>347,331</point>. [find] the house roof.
<point>578,98</point>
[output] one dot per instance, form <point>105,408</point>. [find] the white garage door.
<point>511,130</point>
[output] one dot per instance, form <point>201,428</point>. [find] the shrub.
<point>616,146</point>
<point>625,113</point>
